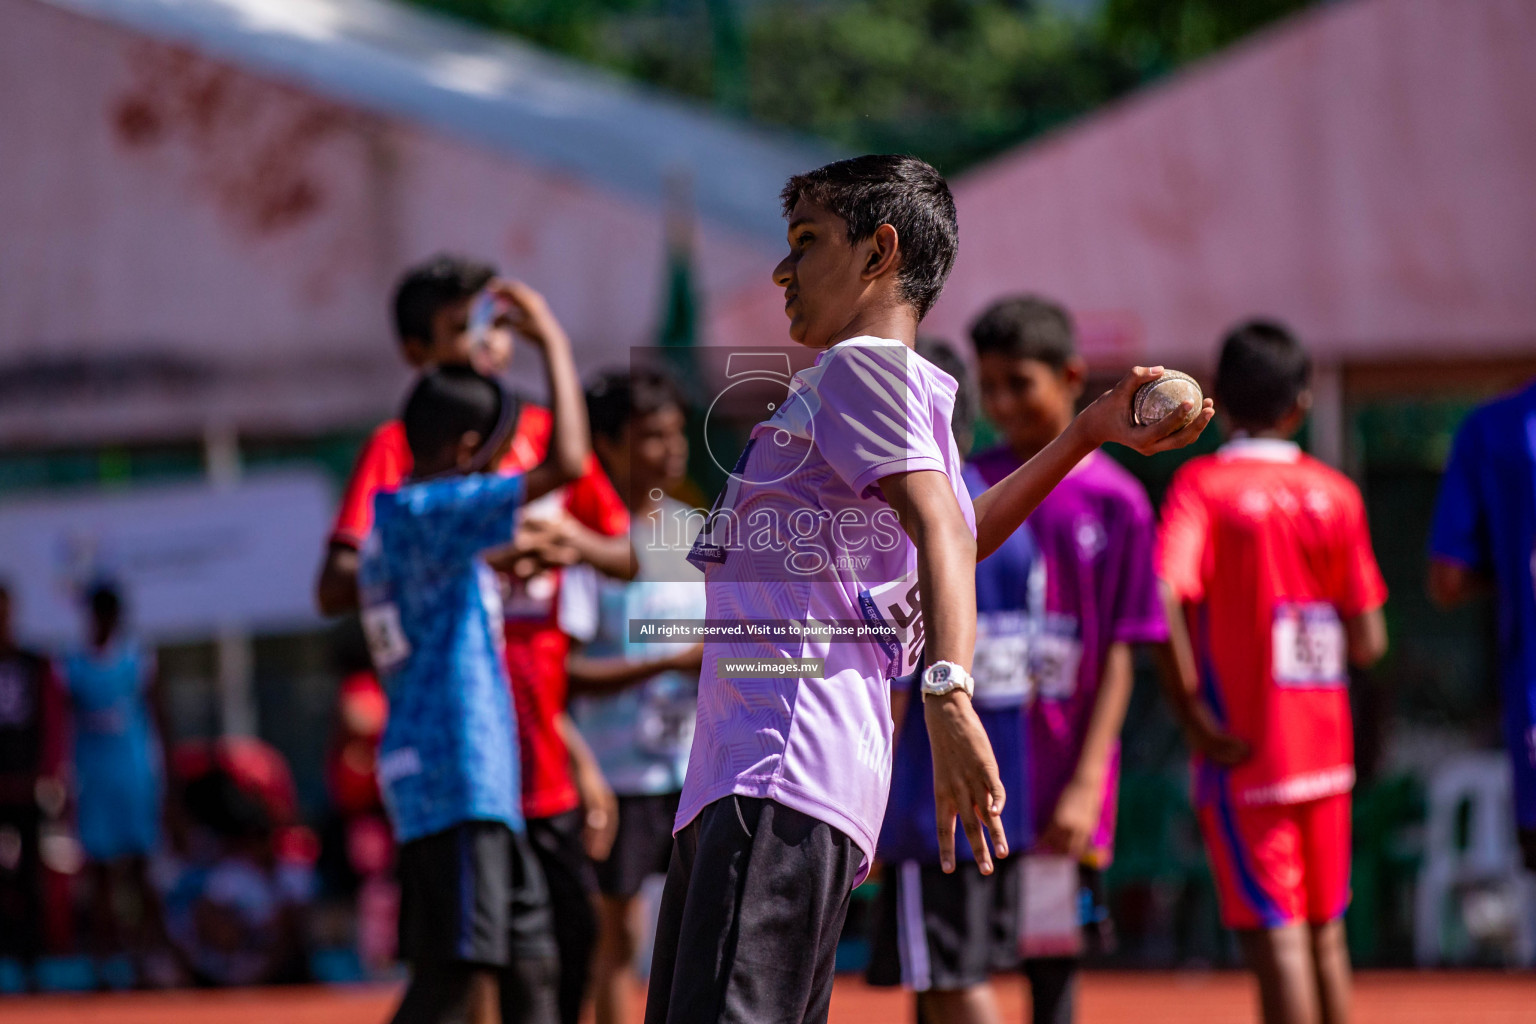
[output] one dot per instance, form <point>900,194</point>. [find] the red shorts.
<point>1279,864</point>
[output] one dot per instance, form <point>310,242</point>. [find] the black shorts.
<point>643,845</point>
<point>556,842</point>
<point>944,932</point>
<point>1527,838</point>
<point>755,902</point>
<point>472,894</point>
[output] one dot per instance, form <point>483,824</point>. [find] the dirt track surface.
<point>1380,998</point>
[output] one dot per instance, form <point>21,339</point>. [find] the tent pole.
<point>1327,435</point>
<point>235,656</point>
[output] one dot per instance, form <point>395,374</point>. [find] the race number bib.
<point>664,726</point>
<point>386,637</point>
<point>1308,645</point>
<point>1055,654</point>
<point>1001,664</point>
<point>896,607</point>
<point>1050,918</point>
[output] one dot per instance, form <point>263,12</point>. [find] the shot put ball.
<point>1157,398</point>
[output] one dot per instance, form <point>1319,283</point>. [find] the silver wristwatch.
<point>945,677</point>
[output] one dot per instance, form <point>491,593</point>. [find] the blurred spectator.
<point>1484,540</point>
<point>240,881</point>
<point>32,792</point>
<point>119,774</point>
<point>365,842</point>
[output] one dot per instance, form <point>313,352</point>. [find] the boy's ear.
<point>884,252</point>
<point>464,452</point>
<point>417,352</point>
<point>1291,422</point>
<point>1075,373</point>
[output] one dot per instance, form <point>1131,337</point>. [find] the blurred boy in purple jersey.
<point>1095,533</point>
<point>941,935</point>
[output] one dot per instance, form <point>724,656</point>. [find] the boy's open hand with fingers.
<point>1075,818</point>
<point>1203,734</point>
<point>528,312</point>
<point>965,779</point>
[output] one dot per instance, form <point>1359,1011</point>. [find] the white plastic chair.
<point>1489,859</point>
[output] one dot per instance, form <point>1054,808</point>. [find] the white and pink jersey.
<point>800,533</point>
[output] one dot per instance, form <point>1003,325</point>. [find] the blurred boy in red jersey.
<point>1267,553</point>
<point>569,810</point>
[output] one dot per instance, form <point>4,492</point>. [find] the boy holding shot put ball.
<point>788,777</point>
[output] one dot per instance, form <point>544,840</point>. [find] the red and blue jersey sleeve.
<point>382,464</point>
<point>1182,542</point>
<point>1363,589</point>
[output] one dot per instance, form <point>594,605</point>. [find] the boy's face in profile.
<point>821,275</point>
<point>452,344</point>
<point>1030,401</point>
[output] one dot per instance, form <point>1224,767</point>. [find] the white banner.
<point>191,558</point>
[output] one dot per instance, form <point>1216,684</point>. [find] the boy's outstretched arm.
<point>569,444</point>
<point>600,677</point>
<point>1002,508</point>
<point>965,778</point>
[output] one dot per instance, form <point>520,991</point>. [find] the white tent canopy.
<point>205,205</point>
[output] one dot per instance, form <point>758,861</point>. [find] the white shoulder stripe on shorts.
<point>911,935</point>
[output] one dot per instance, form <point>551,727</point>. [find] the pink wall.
<point>1367,172</point>
<point>155,201</point>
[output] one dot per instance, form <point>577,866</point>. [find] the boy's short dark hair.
<point>1262,372</point>
<point>428,287</point>
<point>902,191</point>
<point>617,397</point>
<point>1026,327</point>
<point>943,355</point>
<point>104,600</point>
<point>447,403</point>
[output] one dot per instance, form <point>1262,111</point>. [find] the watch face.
<point>939,674</point>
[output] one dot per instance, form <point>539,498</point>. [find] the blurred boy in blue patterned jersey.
<point>474,917</point>
<point>636,702</point>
